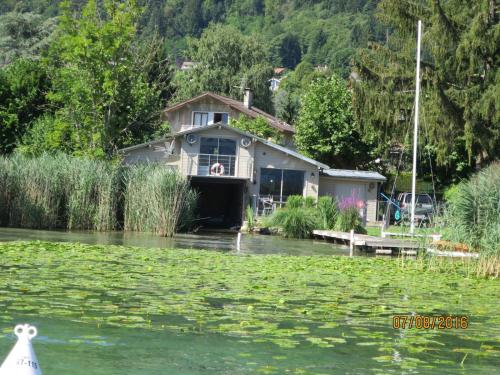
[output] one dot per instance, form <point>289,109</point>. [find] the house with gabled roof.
<point>231,168</point>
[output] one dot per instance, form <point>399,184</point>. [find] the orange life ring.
<point>217,169</point>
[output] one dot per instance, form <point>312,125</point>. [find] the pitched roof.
<point>252,112</point>
<point>220,125</point>
<point>352,174</point>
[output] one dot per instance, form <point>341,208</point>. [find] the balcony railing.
<point>210,165</point>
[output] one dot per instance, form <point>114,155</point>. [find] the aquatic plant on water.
<point>322,302</point>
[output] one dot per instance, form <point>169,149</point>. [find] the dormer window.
<point>200,118</point>
<point>209,118</point>
<point>220,117</point>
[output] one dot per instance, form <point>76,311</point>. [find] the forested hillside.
<point>320,32</point>
<point>88,77</point>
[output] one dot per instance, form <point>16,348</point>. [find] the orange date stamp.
<point>430,322</point>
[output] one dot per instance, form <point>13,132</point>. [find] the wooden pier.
<point>378,245</point>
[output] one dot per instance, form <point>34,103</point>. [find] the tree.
<point>102,89</point>
<point>286,105</point>
<point>460,98</point>
<point>23,87</point>
<point>325,129</point>
<point>286,50</point>
<point>257,126</point>
<point>24,35</point>
<point>226,63</point>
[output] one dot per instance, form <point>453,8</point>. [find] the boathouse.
<point>231,168</point>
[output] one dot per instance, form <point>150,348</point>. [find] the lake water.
<point>142,311</point>
<point>250,243</point>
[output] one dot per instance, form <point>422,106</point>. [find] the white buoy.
<point>22,358</point>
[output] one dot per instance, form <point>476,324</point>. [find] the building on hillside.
<point>231,168</point>
<point>274,83</point>
<point>279,71</point>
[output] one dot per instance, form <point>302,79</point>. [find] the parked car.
<point>424,207</point>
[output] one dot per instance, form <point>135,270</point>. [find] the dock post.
<point>382,233</point>
<point>238,242</point>
<point>351,243</point>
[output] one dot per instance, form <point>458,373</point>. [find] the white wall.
<point>268,157</point>
<point>364,190</point>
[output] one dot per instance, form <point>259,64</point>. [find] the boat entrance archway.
<point>220,201</point>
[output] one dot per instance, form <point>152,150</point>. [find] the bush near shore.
<point>301,216</point>
<point>61,191</point>
<point>472,213</point>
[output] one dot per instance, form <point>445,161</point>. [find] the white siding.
<point>267,157</point>
<point>364,190</point>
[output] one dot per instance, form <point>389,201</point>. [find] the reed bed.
<point>33,191</point>
<point>473,212</point>
<point>60,191</point>
<point>157,200</point>
<point>487,266</point>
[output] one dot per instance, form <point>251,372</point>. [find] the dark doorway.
<point>220,202</point>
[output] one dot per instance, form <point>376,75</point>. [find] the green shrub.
<point>472,215</point>
<point>295,222</point>
<point>295,201</point>
<point>451,192</point>
<point>309,202</point>
<point>250,216</point>
<point>348,219</point>
<point>327,210</point>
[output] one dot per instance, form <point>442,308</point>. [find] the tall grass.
<point>33,191</point>
<point>349,218</point>
<point>295,222</point>
<point>297,219</point>
<point>328,212</point>
<point>60,191</point>
<point>93,194</point>
<point>155,199</point>
<point>250,216</point>
<point>302,215</point>
<point>472,215</point>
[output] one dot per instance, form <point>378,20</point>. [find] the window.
<point>208,118</point>
<point>200,118</point>
<point>424,199</point>
<point>217,151</point>
<point>220,117</point>
<point>270,182</point>
<point>281,183</point>
<point>217,146</point>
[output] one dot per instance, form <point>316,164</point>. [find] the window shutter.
<point>210,118</point>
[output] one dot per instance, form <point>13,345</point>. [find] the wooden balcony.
<point>214,165</point>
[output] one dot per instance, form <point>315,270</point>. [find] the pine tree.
<point>460,99</point>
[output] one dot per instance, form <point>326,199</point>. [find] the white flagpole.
<point>415,131</point>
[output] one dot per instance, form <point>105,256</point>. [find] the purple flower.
<point>351,201</point>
